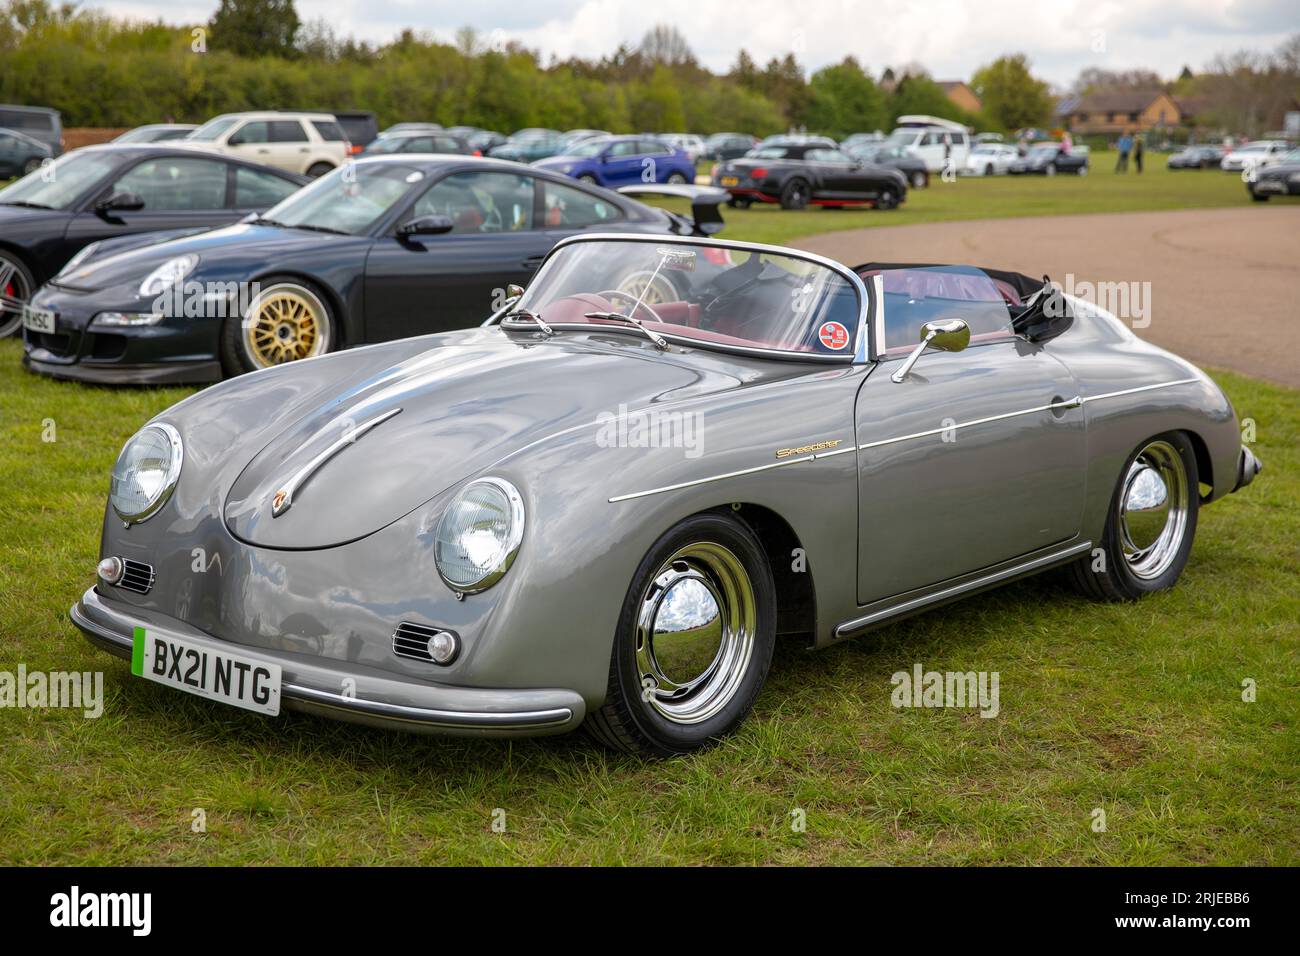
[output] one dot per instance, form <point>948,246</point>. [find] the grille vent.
<point>136,576</point>
<point>412,640</point>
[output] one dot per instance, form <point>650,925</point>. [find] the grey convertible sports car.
<point>607,504</point>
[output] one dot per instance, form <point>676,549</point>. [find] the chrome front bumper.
<point>314,685</point>
<point>1248,466</point>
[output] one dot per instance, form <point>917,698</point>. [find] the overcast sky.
<point>950,37</point>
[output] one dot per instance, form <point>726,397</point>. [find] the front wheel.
<point>1150,525</point>
<point>286,321</point>
<point>887,199</point>
<point>1083,170</point>
<point>317,170</point>
<point>1258,197</point>
<point>589,179</point>
<point>676,179</point>
<point>694,641</point>
<point>920,180</point>
<point>16,287</point>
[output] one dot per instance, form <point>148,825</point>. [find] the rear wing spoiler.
<point>706,216</point>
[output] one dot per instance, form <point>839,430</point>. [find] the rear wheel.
<point>920,179</point>
<point>740,202</point>
<point>694,641</point>
<point>588,179</point>
<point>676,179</point>
<point>1082,171</point>
<point>287,320</point>
<point>316,170</point>
<point>16,286</point>
<point>1150,526</point>
<point>795,195</point>
<point>887,199</point>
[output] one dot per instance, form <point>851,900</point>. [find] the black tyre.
<point>920,179</point>
<point>740,202</point>
<point>694,641</point>
<point>316,170</point>
<point>1150,526</point>
<point>888,199</point>
<point>795,194</point>
<point>1258,197</point>
<point>988,169</point>
<point>289,319</point>
<point>676,179</point>
<point>589,179</point>
<point>16,287</point>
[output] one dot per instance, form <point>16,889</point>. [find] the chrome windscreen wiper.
<point>660,342</point>
<point>529,314</point>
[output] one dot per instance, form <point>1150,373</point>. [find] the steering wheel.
<point>620,294</point>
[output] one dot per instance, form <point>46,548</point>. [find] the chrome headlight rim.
<point>168,275</point>
<point>509,548</point>
<point>170,480</point>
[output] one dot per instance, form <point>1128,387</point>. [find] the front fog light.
<point>110,570</point>
<point>443,647</point>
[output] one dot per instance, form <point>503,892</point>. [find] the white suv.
<point>935,141</point>
<point>309,144</point>
<point>1257,155</point>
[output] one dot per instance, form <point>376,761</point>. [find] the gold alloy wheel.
<point>284,323</point>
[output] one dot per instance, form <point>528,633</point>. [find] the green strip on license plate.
<point>137,652</point>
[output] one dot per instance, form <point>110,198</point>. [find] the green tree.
<point>255,27</point>
<point>844,100</point>
<point>1012,97</point>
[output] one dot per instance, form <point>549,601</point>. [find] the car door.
<point>570,209</point>
<point>621,164</point>
<point>840,176</point>
<point>976,457</point>
<point>436,283</point>
<point>251,141</point>
<point>179,192</point>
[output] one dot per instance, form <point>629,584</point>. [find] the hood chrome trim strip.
<point>283,500</point>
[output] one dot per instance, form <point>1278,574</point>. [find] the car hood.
<point>13,217</point>
<point>244,245</point>
<point>1280,172</point>
<point>465,404</point>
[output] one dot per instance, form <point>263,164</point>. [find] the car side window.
<point>177,183</point>
<point>480,202</point>
<point>419,144</point>
<point>255,189</point>
<point>568,206</point>
<point>627,147</point>
<point>652,147</point>
<point>916,296</point>
<point>330,132</point>
<point>444,144</point>
<point>251,133</point>
<point>826,156</point>
<point>287,131</point>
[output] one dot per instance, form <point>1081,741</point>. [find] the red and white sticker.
<point>833,335</point>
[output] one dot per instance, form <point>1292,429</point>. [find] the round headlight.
<point>146,472</point>
<point>478,535</point>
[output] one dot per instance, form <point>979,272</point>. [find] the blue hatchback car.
<point>614,161</point>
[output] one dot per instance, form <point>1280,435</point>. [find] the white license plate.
<point>1269,186</point>
<point>214,674</point>
<point>39,320</point>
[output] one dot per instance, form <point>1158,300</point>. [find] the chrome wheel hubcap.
<point>695,633</point>
<point>1153,510</point>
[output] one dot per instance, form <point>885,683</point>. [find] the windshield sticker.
<point>834,336</point>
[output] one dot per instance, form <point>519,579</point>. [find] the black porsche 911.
<point>796,175</point>
<point>102,192</point>
<point>1048,159</point>
<point>383,248</point>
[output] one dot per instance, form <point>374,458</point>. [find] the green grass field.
<point>998,197</point>
<point>1135,710</point>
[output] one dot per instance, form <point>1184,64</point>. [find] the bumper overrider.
<point>1248,466</point>
<point>176,351</point>
<point>315,685</point>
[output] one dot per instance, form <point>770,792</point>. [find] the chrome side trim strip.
<point>1140,388</point>
<point>1075,402</point>
<point>848,628</point>
<point>284,494</point>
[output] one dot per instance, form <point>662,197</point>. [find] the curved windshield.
<point>213,128</point>
<point>710,294</point>
<point>349,200</point>
<point>58,185</point>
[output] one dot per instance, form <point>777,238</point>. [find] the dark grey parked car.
<point>20,154</point>
<point>40,123</point>
<point>586,510</point>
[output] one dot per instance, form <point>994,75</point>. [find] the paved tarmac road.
<point>1224,283</point>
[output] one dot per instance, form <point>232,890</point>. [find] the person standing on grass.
<point>1137,153</point>
<point>1124,145</point>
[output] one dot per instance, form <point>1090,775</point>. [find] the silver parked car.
<point>607,504</point>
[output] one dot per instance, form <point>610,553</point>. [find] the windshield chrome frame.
<point>868,303</point>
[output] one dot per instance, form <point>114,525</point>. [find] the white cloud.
<point>951,38</point>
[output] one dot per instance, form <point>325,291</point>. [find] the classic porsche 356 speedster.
<point>605,505</point>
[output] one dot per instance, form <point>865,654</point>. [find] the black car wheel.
<point>316,170</point>
<point>1258,197</point>
<point>920,180</point>
<point>286,321</point>
<point>676,179</point>
<point>740,202</point>
<point>988,169</point>
<point>1150,525</point>
<point>16,285</point>
<point>589,179</point>
<point>795,195</point>
<point>694,640</point>
<point>888,199</point>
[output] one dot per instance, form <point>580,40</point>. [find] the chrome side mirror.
<point>514,291</point>
<point>950,335</point>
